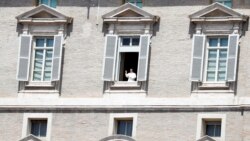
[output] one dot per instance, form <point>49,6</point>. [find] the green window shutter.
<point>232,57</point>
<point>143,58</point>
<point>57,57</point>
<point>24,58</point>
<point>197,57</point>
<point>110,57</point>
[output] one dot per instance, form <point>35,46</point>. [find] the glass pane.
<point>53,3</point>
<point>37,76</point>
<point>213,42</point>
<point>222,65</point>
<point>38,65</point>
<point>39,54</point>
<point>39,42</point>
<point>44,2</point>
<point>49,54</point>
<point>223,54</point>
<point>48,64</point>
<point>139,4</point>
<point>221,76</point>
<point>121,127</point>
<point>135,41</point>
<point>212,54</point>
<point>34,128</point>
<point>43,128</point>
<point>210,130</point>
<point>125,41</point>
<point>210,76</point>
<point>129,128</point>
<point>218,131</point>
<point>47,75</point>
<point>223,42</point>
<point>50,42</point>
<point>211,65</point>
<point>228,3</point>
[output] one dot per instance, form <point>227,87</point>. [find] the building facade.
<point>64,65</point>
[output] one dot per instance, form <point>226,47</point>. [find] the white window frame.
<point>217,58</point>
<point>124,49</point>
<point>44,54</point>
<point>200,125</point>
<point>33,116</point>
<point>120,116</point>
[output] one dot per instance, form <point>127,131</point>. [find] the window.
<point>227,3</point>
<point>135,2</point>
<point>213,128</point>
<point>131,52</point>
<point>38,127</point>
<point>51,3</point>
<point>43,51</point>
<point>220,54</point>
<point>124,127</point>
<point>37,124</point>
<point>123,124</point>
<point>217,49</point>
<point>212,125</point>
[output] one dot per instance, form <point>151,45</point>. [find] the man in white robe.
<point>131,75</point>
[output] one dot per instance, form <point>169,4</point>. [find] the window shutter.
<point>109,58</point>
<point>57,57</point>
<point>232,57</point>
<point>197,57</point>
<point>24,58</point>
<point>143,58</point>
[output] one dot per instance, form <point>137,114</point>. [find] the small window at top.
<point>135,2</point>
<point>51,3</point>
<point>227,3</point>
<point>130,41</point>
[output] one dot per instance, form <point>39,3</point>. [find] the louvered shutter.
<point>232,57</point>
<point>24,58</point>
<point>143,58</point>
<point>57,57</point>
<point>110,57</point>
<point>197,57</point>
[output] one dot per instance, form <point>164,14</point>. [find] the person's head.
<point>131,70</point>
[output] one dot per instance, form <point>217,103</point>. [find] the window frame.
<point>32,64</point>
<point>214,124</point>
<point>218,48</point>
<point>200,132</point>
<point>39,121</point>
<point>122,116</point>
<point>126,49</point>
<point>27,117</point>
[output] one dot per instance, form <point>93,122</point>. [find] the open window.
<point>227,3</point>
<point>215,48</point>
<point>127,48</point>
<point>40,51</point>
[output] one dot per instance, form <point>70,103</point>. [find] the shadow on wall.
<point>104,3</point>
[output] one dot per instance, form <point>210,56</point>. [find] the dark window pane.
<point>218,131</point>
<point>125,41</point>
<point>210,130</point>
<point>50,42</point>
<point>223,41</point>
<point>213,42</point>
<point>124,127</point>
<point>39,42</point>
<point>213,129</point>
<point>38,128</point>
<point>135,41</point>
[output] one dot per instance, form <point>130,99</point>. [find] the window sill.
<point>214,86</point>
<point>40,84</point>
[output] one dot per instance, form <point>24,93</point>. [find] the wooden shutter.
<point>232,57</point>
<point>143,58</point>
<point>24,58</point>
<point>57,57</point>
<point>110,57</point>
<point>197,57</point>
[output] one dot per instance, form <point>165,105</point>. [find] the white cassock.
<point>131,76</point>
